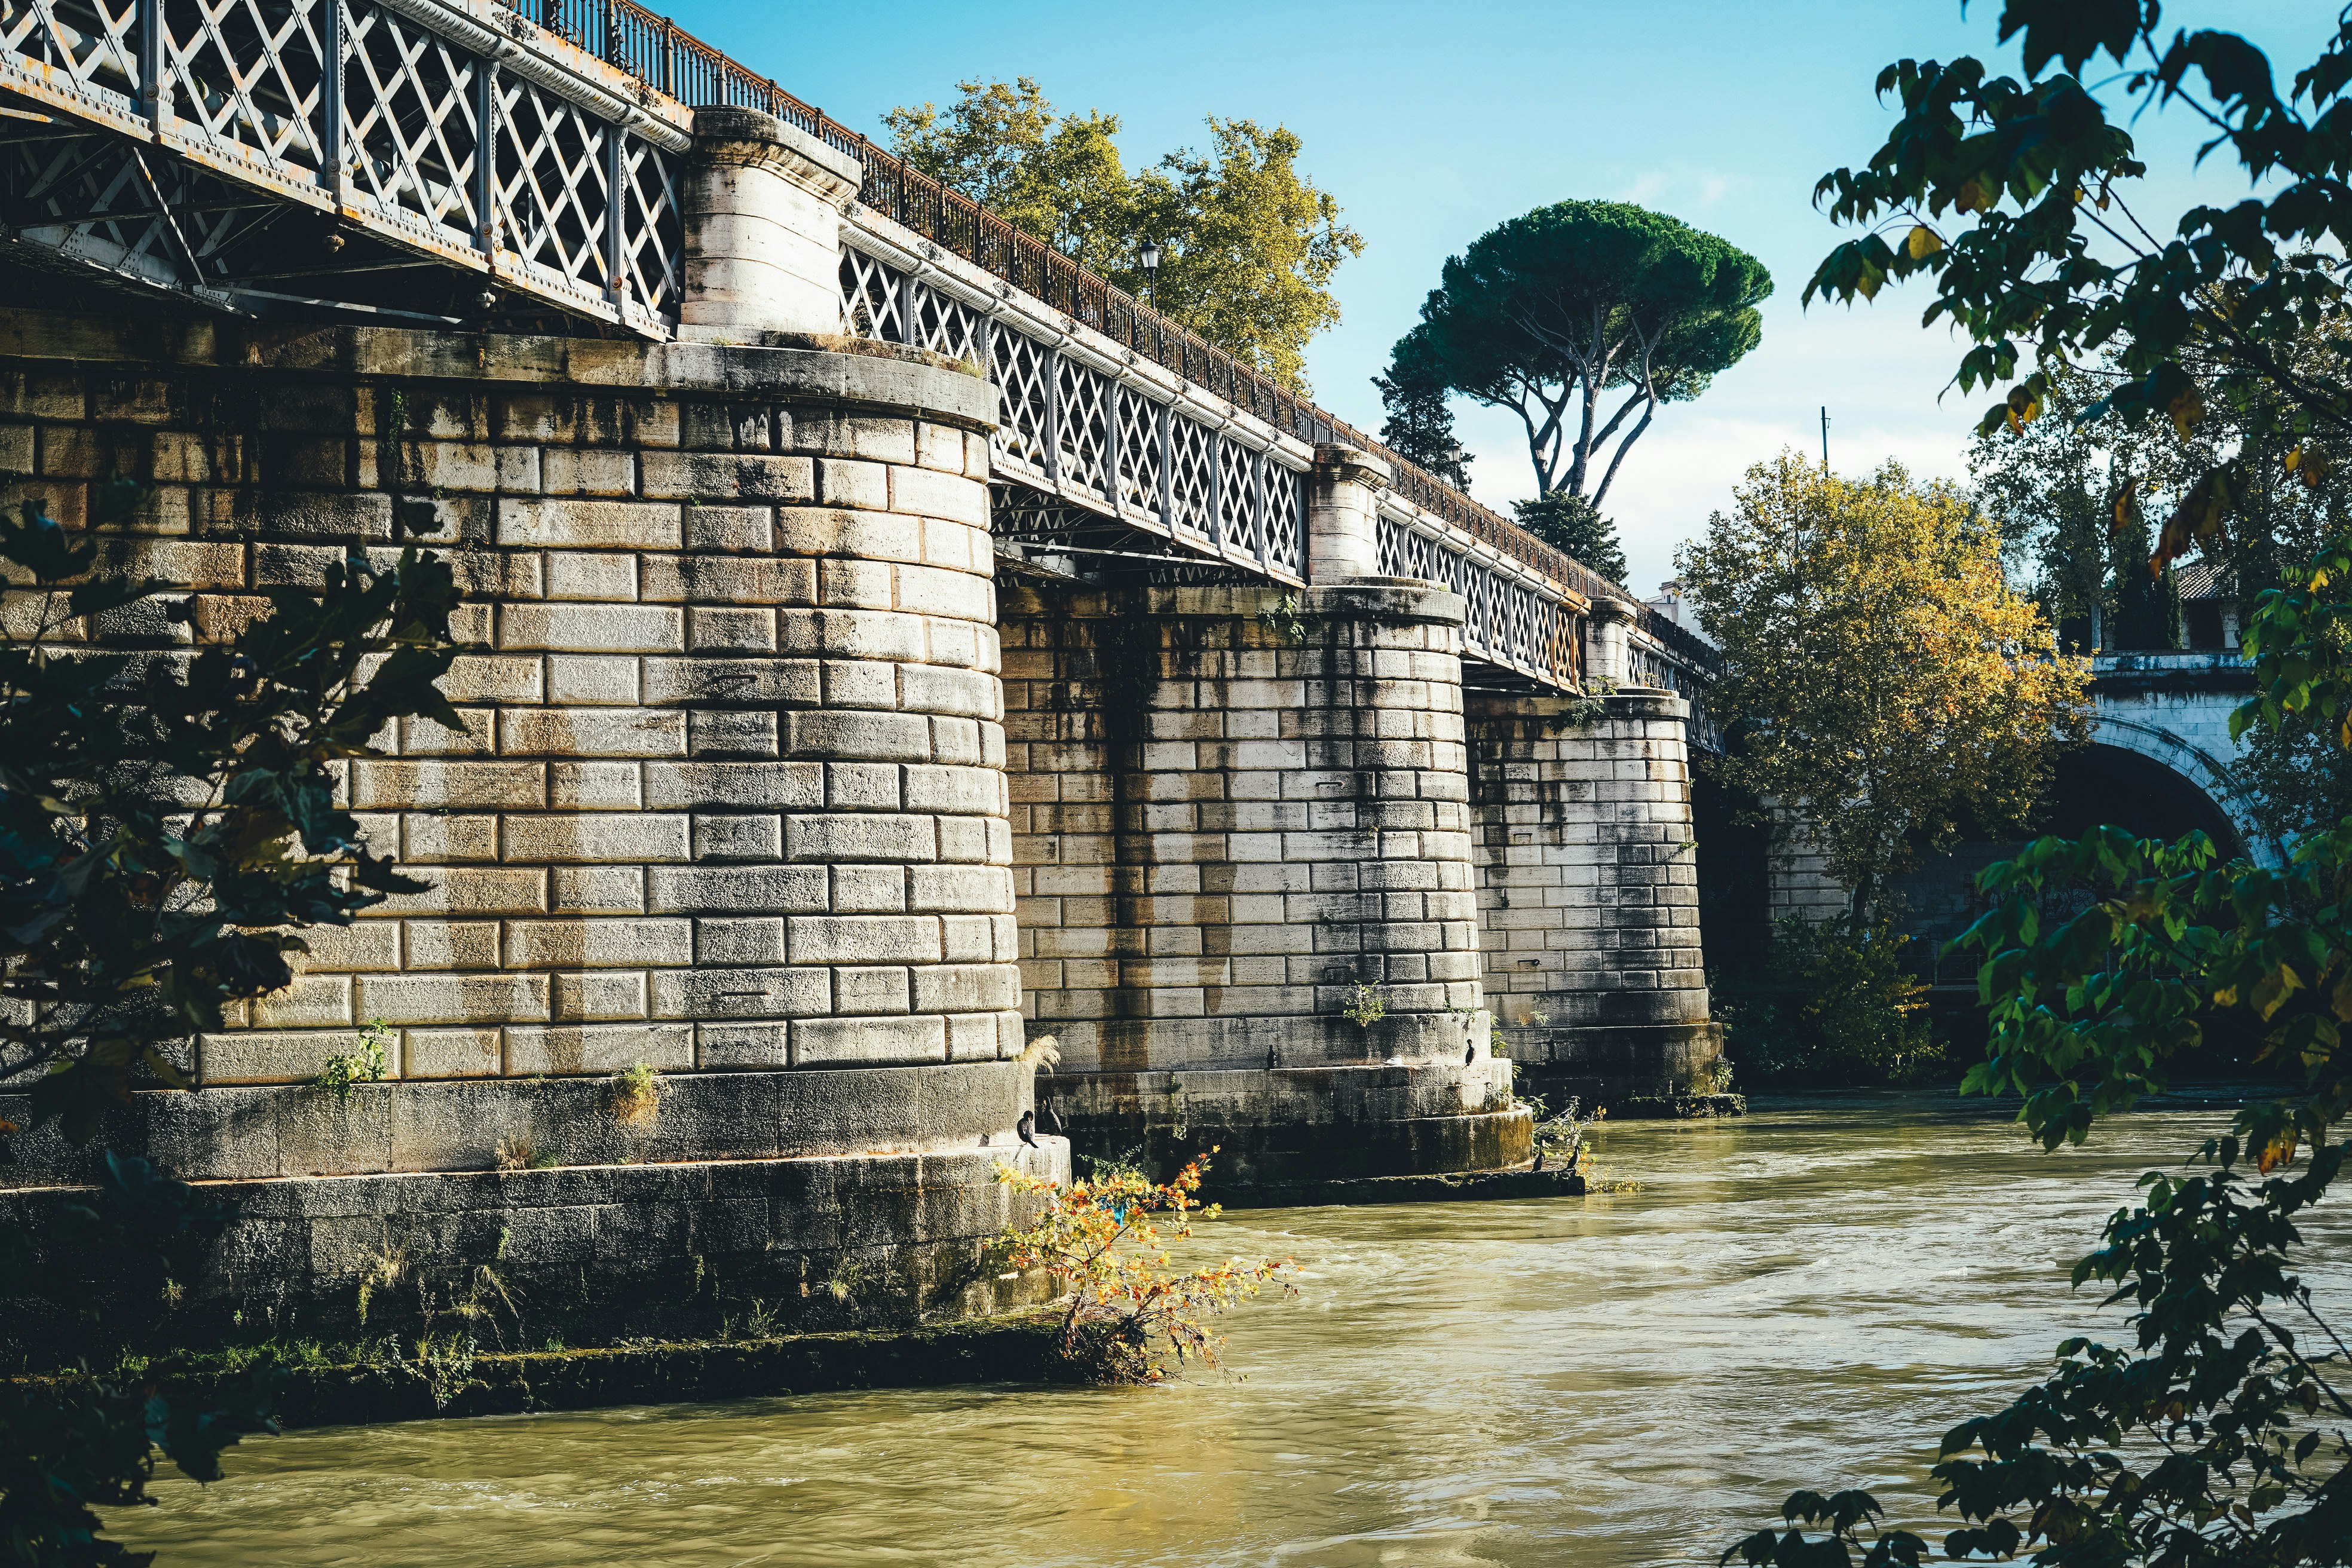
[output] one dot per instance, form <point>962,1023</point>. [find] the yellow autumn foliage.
<point>1882,678</point>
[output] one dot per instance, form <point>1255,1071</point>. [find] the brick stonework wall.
<point>731,792</point>
<point>1588,901</point>
<point>1220,829</point>
<point>730,800</point>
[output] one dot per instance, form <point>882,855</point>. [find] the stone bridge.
<point>891,644</point>
<point>2160,762</point>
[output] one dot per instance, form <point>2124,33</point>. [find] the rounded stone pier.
<point>1238,815</point>
<point>729,802</point>
<point>1588,896</point>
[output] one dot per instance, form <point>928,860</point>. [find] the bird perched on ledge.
<point>1028,1128</point>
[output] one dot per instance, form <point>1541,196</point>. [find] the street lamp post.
<point>1150,257</point>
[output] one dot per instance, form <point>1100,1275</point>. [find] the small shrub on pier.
<point>369,1061</point>
<point>1125,1309</point>
<point>521,1151</point>
<point>636,1095</point>
<point>1558,1136</point>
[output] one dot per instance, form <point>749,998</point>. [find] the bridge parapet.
<point>545,148</point>
<point>206,148</point>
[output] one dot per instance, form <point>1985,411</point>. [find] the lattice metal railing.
<point>257,151</point>
<point>1508,622</point>
<point>263,150</point>
<point>1070,429</point>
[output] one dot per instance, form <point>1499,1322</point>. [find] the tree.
<point>2218,1436</point>
<point>2052,487</point>
<point>1420,424</point>
<point>1549,312</point>
<point>1057,177</point>
<point>166,824</point>
<point>1574,525</point>
<point>1249,244</point>
<point>2073,492</point>
<point>1881,679</point>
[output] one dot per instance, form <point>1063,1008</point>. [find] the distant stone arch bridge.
<point>2158,760</point>
<point>2171,710</point>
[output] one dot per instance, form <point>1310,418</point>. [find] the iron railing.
<point>651,49</point>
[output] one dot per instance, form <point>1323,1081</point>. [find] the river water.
<point>1807,1296</point>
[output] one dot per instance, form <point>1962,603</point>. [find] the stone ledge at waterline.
<point>592,1254</point>
<point>1015,1348</point>
<point>1327,1127</point>
<point>467,1124</point>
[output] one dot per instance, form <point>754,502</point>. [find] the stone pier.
<point>1239,816</point>
<point>1588,897</point>
<point>729,802</point>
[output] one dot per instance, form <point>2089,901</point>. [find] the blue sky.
<point>1430,123</point>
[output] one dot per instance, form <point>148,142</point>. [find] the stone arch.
<point>2209,777</point>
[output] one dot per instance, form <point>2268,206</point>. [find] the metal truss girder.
<point>373,119</point>
<point>1118,446</point>
<point>1093,440</point>
<point>1507,624</point>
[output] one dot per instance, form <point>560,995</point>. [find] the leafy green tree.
<point>1551,313</point>
<point>1058,176</point>
<point>1249,244</point>
<point>2217,1434</point>
<point>1420,424</point>
<point>167,824</point>
<point>2053,487</point>
<point>1834,1004</point>
<point>1882,680</point>
<point>1573,524</point>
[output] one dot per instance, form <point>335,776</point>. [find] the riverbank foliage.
<point>1126,1308</point>
<point>2216,1436</point>
<point>166,827</point>
<point>1882,680</point>
<point>1837,1004</point>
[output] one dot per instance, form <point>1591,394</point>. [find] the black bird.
<point>1470,1053</point>
<point>1052,1119</point>
<point>1028,1128</point>
<point>1538,1165</point>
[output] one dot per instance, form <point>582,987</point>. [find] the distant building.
<point>2209,608</point>
<point>1674,602</point>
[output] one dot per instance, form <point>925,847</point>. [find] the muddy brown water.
<point>1807,1296</point>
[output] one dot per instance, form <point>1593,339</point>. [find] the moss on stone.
<point>375,1385</point>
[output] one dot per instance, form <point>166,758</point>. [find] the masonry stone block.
<point>1218,812</point>
<point>1579,875</point>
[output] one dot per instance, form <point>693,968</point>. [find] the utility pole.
<point>1825,438</point>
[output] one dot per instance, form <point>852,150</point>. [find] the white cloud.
<point>1680,190</point>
